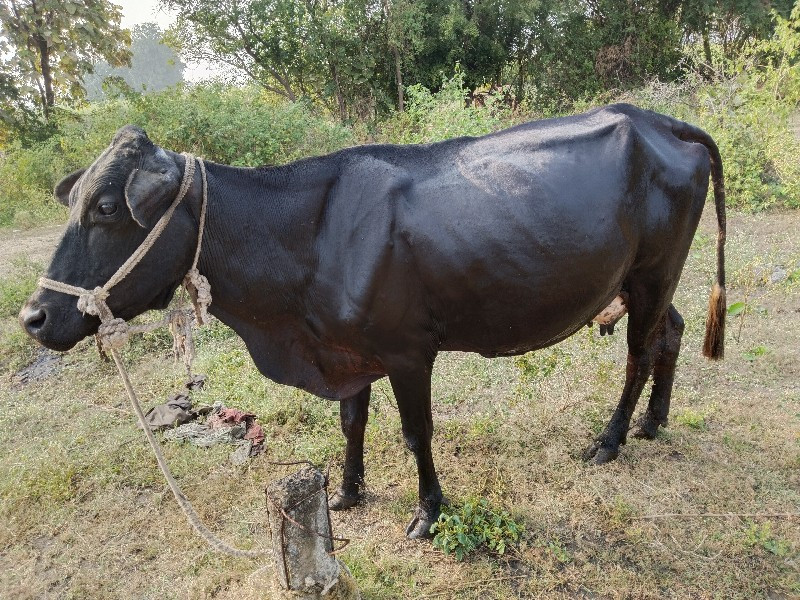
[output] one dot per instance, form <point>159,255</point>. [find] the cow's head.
<point>113,204</point>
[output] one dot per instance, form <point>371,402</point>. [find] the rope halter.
<point>114,332</point>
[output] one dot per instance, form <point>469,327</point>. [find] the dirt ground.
<point>710,509</point>
<point>35,245</point>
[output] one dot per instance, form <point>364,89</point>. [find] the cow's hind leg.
<point>663,376</point>
<point>353,413</point>
<point>647,307</point>
<point>412,389</point>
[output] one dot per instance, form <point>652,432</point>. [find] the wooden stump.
<point>302,540</point>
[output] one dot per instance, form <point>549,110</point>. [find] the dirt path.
<point>33,244</point>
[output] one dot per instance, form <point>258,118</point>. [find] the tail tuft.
<point>714,344</point>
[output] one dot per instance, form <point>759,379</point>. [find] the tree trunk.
<point>707,51</point>
<point>302,541</point>
<point>398,76</point>
<point>47,77</point>
<point>339,95</point>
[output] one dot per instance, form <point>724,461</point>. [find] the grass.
<point>85,513</point>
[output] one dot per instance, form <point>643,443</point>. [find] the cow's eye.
<point>107,208</point>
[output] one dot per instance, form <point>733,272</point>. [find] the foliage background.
<point>745,98</point>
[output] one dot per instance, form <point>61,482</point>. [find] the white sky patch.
<point>135,12</point>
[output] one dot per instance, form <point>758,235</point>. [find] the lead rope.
<point>114,334</point>
<point>188,510</point>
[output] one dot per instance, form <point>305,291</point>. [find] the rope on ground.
<point>186,506</point>
<point>787,515</point>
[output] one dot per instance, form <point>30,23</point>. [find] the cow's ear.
<point>151,188</point>
<point>64,187</point>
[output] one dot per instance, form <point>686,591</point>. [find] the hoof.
<point>646,428</point>
<point>598,454</point>
<point>419,529</point>
<point>420,526</point>
<point>645,432</point>
<point>341,501</point>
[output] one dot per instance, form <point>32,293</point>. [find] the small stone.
<point>242,454</point>
<point>778,275</point>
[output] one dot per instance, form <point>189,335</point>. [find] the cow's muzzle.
<point>32,318</point>
<point>53,329</point>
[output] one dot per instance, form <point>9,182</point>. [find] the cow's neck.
<point>258,248</point>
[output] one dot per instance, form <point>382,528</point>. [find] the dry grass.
<point>85,514</point>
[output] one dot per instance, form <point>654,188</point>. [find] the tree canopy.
<point>358,56</point>
<point>47,46</point>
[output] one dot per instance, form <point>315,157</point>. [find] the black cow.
<point>342,269</point>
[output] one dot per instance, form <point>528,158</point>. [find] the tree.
<point>294,48</point>
<point>729,23</point>
<point>154,65</point>
<point>54,43</point>
<point>404,37</point>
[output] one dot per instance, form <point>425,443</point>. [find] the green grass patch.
<point>692,419</point>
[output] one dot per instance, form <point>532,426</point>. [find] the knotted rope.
<point>196,284</point>
<point>114,333</point>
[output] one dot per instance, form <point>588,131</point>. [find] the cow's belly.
<point>500,316</point>
<point>289,353</point>
<point>532,270</point>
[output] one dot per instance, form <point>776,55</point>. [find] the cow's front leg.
<point>353,413</point>
<point>412,389</point>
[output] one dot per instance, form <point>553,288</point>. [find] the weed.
<point>761,536</point>
<point>692,419</point>
<point>621,511</point>
<point>739,309</point>
<point>543,363</point>
<point>559,551</point>
<point>461,530</point>
<point>755,352</point>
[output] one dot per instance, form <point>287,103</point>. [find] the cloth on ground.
<point>207,425</point>
<point>175,411</point>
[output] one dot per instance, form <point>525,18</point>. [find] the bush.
<point>432,117</point>
<point>240,126</point>
<point>461,530</point>
<point>27,178</point>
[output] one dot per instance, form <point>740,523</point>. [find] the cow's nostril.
<point>32,319</point>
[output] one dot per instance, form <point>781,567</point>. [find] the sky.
<point>143,11</point>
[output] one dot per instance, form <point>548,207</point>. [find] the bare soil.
<point>35,245</point>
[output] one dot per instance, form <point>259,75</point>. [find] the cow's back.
<point>517,239</point>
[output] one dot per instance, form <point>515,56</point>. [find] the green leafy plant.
<point>561,554</point>
<point>463,529</point>
<point>739,309</point>
<point>755,352</point>
<point>542,363</point>
<point>761,536</point>
<point>692,419</point>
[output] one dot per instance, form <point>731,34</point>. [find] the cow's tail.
<point>714,343</point>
